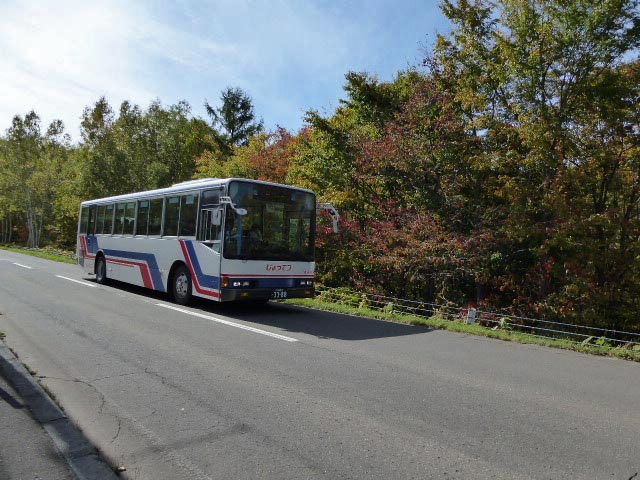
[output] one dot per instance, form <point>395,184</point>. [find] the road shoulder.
<point>27,452</point>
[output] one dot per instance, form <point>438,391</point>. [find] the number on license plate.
<point>279,294</point>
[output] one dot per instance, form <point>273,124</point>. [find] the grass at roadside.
<point>456,326</point>
<point>48,253</point>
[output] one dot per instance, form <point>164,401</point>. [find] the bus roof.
<point>187,186</point>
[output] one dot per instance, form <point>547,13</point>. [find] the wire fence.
<point>579,334</point>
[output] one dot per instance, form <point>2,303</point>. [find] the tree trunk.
<point>38,232</point>
<point>7,228</point>
<point>30,239</point>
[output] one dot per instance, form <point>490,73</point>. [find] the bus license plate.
<point>279,293</point>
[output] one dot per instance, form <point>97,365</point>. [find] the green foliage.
<point>506,174</point>
<point>503,324</point>
<point>267,156</point>
<point>388,308</point>
<point>339,295</point>
<point>374,102</point>
<point>552,90</point>
<point>364,302</point>
<point>234,120</point>
<point>49,253</point>
<point>43,178</point>
<point>138,150</point>
<point>30,165</point>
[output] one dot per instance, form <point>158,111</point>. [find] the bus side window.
<point>155,216</point>
<point>84,219</point>
<point>130,218</point>
<point>108,219</point>
<point>143,217</point>
<point>210,197</point>
<point>120,218</point>
<point>171,216</point>
<point>188,214</point>
<point>100,224</point>
<point>92,220</point>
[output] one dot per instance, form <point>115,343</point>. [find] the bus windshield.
<point>279,224</point>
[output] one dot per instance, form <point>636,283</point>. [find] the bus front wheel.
<point>101,270</point>
<point>181,285</point>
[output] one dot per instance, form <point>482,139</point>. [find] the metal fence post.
<point>471,316</point>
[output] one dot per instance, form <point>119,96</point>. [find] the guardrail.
<point>579,334</point>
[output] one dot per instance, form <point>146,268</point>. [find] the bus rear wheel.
<point>101,270</point>
<point>181,285</point>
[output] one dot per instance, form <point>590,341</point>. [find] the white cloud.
<point>59,57</point>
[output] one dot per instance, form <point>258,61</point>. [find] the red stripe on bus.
<point>85,252</point>
<point>144,270</point>
<point>265,276</point>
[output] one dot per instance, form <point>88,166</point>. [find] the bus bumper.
<point>240,294</point>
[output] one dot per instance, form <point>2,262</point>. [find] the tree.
<point>506,174</point>
<point>329,159</point>
<point>139,149</point>
<point>549,89</point>
<point>104,168</point>
<point>234,121</point>
<point>266,157</point>
<point>30,164</point>
<point>376,102</point>
<point>8,198</point>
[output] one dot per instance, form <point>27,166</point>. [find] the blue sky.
<point>59,57</point>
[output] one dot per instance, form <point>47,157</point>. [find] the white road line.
<point>23,266</point>
<point>78,281</point>
<point>226,322</point>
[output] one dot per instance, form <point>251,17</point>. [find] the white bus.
<point>221,239</point>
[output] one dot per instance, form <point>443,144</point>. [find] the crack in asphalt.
<point>156,443</point>
<point>103,399</point>
<point>113,439</point>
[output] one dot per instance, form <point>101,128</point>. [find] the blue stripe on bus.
<point>207,281</point>
<point>92,244</point>
<point>156,278</point>
<point>211,281</point>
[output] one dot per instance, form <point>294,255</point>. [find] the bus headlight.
<point>306,283</point>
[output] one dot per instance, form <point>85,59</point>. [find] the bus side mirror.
<point>239,211</point>
<point>332,212</point>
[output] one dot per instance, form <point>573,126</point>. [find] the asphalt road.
<point>216,391</point>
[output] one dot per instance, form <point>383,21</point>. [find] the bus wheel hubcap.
<point>182,285</point>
